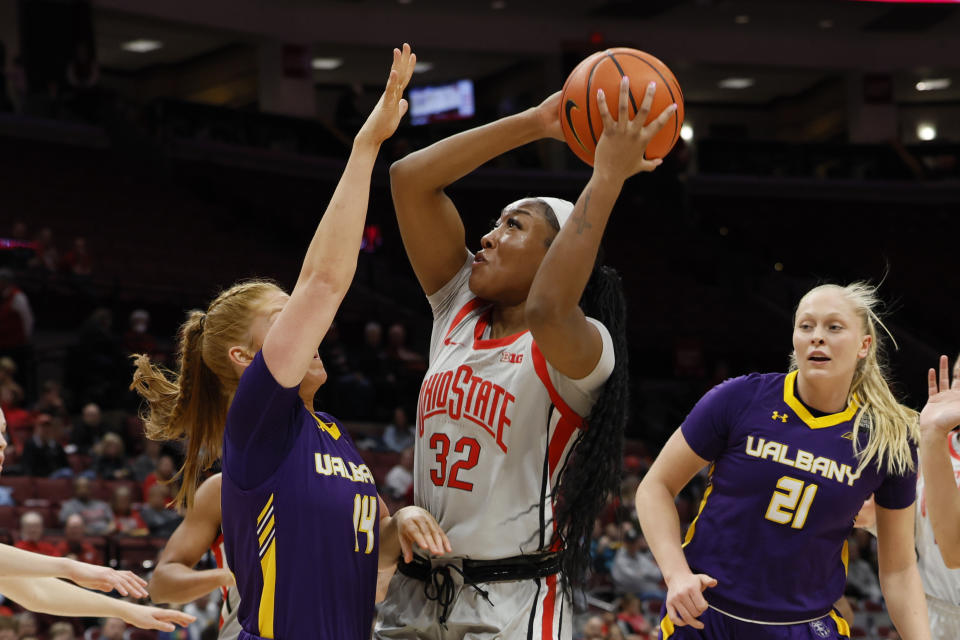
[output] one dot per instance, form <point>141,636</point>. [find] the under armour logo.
<point>782,417</point>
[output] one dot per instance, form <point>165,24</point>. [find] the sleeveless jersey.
<point>495,424</point>
<point>784,491</point>
<point>938,581</point>
<point>229,624</point>
<point>303,543</point>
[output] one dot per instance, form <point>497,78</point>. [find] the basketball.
<point>580,115</point>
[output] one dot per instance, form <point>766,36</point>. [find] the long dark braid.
<point>592,473</point>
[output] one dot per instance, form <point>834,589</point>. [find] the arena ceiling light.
<point>926,131</point>
<point>141,45</point>
<point>326,64</point>
<point>686,131</point>
<point>736,83</point>
<point>933,84</point>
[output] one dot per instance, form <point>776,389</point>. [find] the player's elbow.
<point>161,592</point>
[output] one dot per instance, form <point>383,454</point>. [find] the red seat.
<point>133,552</point>
<point>56,490</point>
<point>23,487</point>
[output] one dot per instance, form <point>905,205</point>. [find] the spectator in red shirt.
<point>75,546</point>
<point>127,518</point>
<point>164,473</point>
<point>31,532</point>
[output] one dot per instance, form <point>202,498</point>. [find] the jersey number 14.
<point>791,502</point>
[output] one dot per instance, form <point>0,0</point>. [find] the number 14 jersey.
<point>495,424</point>
<point>784,491</point>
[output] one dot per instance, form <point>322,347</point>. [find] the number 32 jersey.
<point>784,491</point>
<point>495,424</point>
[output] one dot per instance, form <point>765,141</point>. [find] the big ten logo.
<point>512,358</point>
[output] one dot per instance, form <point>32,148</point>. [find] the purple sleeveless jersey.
<point>300,517</point>
<point>784,492</point>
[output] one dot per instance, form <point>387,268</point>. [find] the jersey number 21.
<point>791,502</point>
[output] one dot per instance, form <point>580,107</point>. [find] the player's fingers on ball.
<point>623,114</point>
<point>660,121</point>
<point>604,110</point>
<point>647,102</point>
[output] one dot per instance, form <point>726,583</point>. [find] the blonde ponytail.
<point>191,403</point>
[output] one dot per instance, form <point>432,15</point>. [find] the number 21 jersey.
<point>785,487</point>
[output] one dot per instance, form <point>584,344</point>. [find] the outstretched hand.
<point>107,579</point>
<point>942,411</point>
<point>621,148</point>
<point>417,526</point>
<point>155,617</point>
<point>386,115</point>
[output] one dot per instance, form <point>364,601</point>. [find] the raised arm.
<point>940,415</point>
<point>430,224</point>
<point>54,597</point>
<point>657,512</point>
<point>567,340</point>
<point>175,581</point>
<point>899,577</point>
<point>331,258</point>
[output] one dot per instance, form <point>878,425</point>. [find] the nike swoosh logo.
<point>568,108</point>
<point>450,343</point>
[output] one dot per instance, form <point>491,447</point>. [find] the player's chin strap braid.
<point>440,587</point>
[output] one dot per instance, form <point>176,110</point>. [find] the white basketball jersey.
<point>495,425</point>
<point>938,581</point>
<point>229,624</point>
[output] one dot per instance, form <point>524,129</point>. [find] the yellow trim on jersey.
<point>845,557</point>
<point>331,428</point>
<point>804,414</point>
<point>268,567</point>
<point>267,530</point>
<point>666,627</point>
<point>842,627</point>
<point>703,503</point>
<point>265,508</point>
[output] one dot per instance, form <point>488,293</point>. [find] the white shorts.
<point>944,619</point>
<point>532,609</point>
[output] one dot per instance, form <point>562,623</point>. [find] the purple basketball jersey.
<point>303,542</point>
<point>784,491</point>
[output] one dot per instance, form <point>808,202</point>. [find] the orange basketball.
<point>580,115</point>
